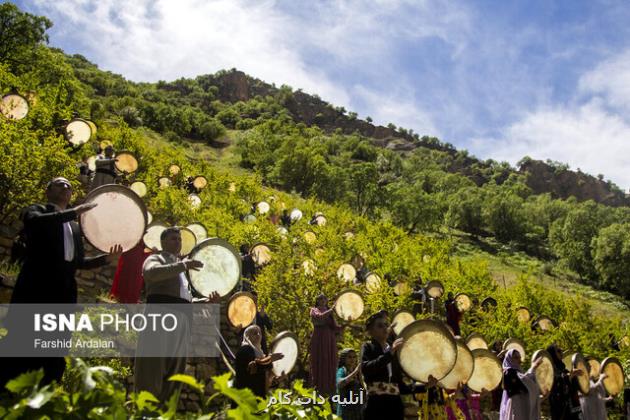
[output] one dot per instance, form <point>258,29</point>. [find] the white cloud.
<point>586,136</point>
<point>610,79</point>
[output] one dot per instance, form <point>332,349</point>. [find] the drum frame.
<point>343,279</point>
<point>469,301</point>
<point>200,224</point>
<point>251,252</point>
<point>145,186</point>
<point>225,244</point>
<point>603,365</point>
<point>200,176</point>
<point>459,341</point>
<point>24,98</point>
<point>349,290</point>
<point>67,134</point>
<point>476,335</point>
<point>537,355</point>
<point>280,336</point>
<point>127,152</point>
<point>529,313</point>
<point>115,187</point>
<point>231,300</point>
<point>153,223</point>
<point>517,341</point>
<point>399,312</point>
<point>297,218</point>
<point>434,283</point>
<point>194,236</point>
<point>179,169</point>
<point>489,354</point>
<point>575,359</point>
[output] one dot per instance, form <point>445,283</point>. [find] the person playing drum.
<point>54,251</point>
<point>105,168</point>
<point>382,372</point>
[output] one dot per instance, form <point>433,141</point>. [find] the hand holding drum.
<point>192,264</point>
<point>80,209</point>
<point>276,356</point>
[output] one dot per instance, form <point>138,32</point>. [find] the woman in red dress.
<point>323,348</point>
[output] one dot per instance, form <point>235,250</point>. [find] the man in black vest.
<point>54,251</point>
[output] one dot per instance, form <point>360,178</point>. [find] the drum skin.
<point>152,236</point>
<point>402,318</point>
<point>295,215</point>
<point>200,182</point>
<point>194,200</point>
<point>139,188</point>
<point>544,323</point>
<point>14,106</point>
<point>615,381</point>
<point>188,240</point>
<point>199,230</point>
<point>164,182</point>
<point>174,169</point>
<point>349,305</point>
<point>544,372</point>
<point>515,343</point>
<point>309,267</point>
<point>126,162</point>
<point>401,288</point>
<point>428,349</point>
<point>310,237</point>
<point>119,218</point>
<point>594,368</point>
<point>476,341</point>
<point>78,131</point>
<point>523,314</point>
<point>434,289</point>
<point>221,269</point>
<point>463,301</point>
<point>241,310</point>
<point>463,369</point>
<point>320,220</point>
<point>346,273</point>
<point>372,282</point>
<point>263,207</point>
<point>487,372</point>
<point>261,253</point>
<point>286,343</point>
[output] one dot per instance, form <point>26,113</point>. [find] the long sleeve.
<point>370,365</point>
<point>154,270</point>
<point>88,263</point>
<point>34,216</point>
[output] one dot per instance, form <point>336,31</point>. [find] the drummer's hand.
<point>577,372</point>
<point>114,253</point>
<point>214,297</point>
<point>192,264</point>
<point>537,362</point>
<point>155,250</point>
<point>397,344</point>
<point>82,208</point>
<point>276,356</point>
<point>602,376</point>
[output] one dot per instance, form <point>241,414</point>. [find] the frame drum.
<point>286,343</point>
<point>349,305</point>
<point>434,289</point>
<point>476,341</point>
<point>194,200</point>
<point>515,343</point>
<point>200,182</point>
<point>544,372</point>
<point>282,230</point>
<point>346,273</point>
<point>489,302</point>
<point>463,301</point>
<point>174,169</point>
<point>487,372</point>
<point>428,349</point>
<point>14,106</point>
<point>401,288</point>
<point>295,215</point>
<point>372,282</point>
<point>241,310</point>
<point>151,238</point>
<point>261,254</point>
<point>544,323</point>
<point>523,315</point>
<point>91,163</point>
<point>78,131</point>
<point>348,235</point>
<point>463,369</point>
<point>199,230</point>
<point>119,218</point>
<point>615,381</point>
<point>92,127</point>
<point>263,207</point>
<point>188,240</point>
<point>139,188</point>
<point>310,237</point>
<point>594,368</point>
<point>126,162</point>
<point>221,267</point>
<point>309,267</point>
<point>164,182</point>
<point>149,217</point>
<point>583,380</point>
<point>320,220</point>
<point>402,318</point>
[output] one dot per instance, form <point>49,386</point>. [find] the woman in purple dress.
<point>323,348</point>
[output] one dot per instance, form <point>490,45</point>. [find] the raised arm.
<point>34,216</point>
<point>154,270</point>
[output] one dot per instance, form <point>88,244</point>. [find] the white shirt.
<point>68,239</point>
<point>184,292</point>
<point>389,365</point>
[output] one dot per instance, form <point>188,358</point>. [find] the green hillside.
<point>413,218</point>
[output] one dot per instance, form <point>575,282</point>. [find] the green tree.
<point>611,255</point>
<point>20,33</point>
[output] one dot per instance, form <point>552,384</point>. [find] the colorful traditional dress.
<point>323,351</point>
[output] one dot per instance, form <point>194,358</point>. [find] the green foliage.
<point>611,255</point>
<point>20,34</point>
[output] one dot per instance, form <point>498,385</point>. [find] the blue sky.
<point>501,79</point>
